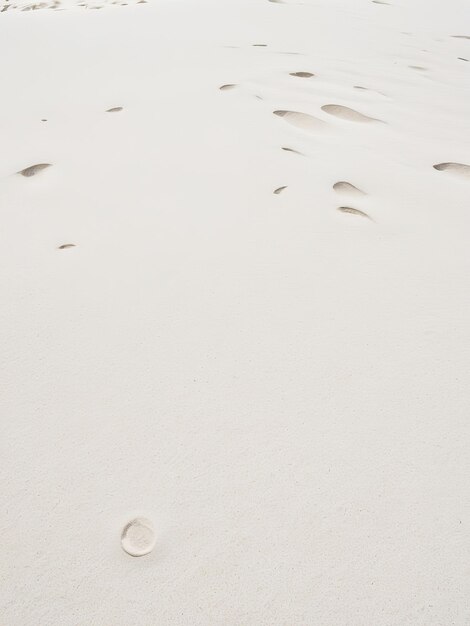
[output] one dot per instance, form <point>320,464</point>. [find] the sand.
<point>201,328</point>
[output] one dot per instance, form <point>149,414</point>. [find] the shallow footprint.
<point>279,190</point>
<point>227,87</point>
<point>345,113</point>
<point>64,246</point>
<point>348,209</point>
<point>114,110</point>
<point>32,170</point>
<point>300,120</point>
<point>460,169</point>
<point>344,187</point>
<point>302,74</point>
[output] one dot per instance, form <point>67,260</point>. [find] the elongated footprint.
<point>345,113</point>
<point>304,121</point>
<point>459,169</point>
<point>32,170</point>
<point>346,188</point>
<point>352,211</point>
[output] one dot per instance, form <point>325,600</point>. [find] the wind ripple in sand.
<point>32,170</point>
<point>301,120</point>
<point>345,113</point>
<point>344,187</point>
<point>460,169</point>
<point>348,209</point>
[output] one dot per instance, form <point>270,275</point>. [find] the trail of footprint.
<point>345,113</point>
<point>301,120</point>
<point>460,169</point>
<point>32,170</point>
<point>64,246</point>
<point>114,110</point>
<point>279,190</point>
<point>348,209</point>
<point>346,188</point>
<point>302,74</point>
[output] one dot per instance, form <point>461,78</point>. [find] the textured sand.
<point>200,328</point>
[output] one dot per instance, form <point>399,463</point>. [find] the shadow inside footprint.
<point>348,209</point>
<point>114,110</point>
<point>227,87</point>
<point>460,169</point>
<point>301,120</point>
<point>64,246</point>
<point>345,113</point>
<point>279,190</point>
<point>32,170</point>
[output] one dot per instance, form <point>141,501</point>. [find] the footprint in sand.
<point>227,87</point>
<point>138,537</point>
<point>64,246</point>
<point>114,110</point>
<point>348,209</point>
<point>461,36</point>
<point>301,120</point>
<point>381,2</point>
<point>462,59</point>
<point>459,169</point>
<point>420,68</point>
<point>346,188</point>
<point>279,190</point>
<point>32,170</point>
<point>259,45</point>
<point>302,74</point>
<point>291,150</point>
<point>345,113</point>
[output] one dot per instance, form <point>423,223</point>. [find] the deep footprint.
<point>345,113</point>
<point>301,120</point>
<point>302,74</point>
<point>348,209</point>
<point>344,187</point>
<point>32,170</point>
<point>460,169</point>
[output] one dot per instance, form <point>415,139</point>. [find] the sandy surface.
<point>201,327</point>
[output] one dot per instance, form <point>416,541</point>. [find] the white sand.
<point>279,386</point>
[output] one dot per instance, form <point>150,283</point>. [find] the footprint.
<point>301,120</point>
<point>348,114</point>
<point>348,209</point>
<point>279,190</point>
<point>64,246</point>
<point>292,150</point>
<point>380,2</point>
<point>462,59</point>
<point>302,74</point>
<point>460,169</point>
<point>418,67</point>
<point>43,120</point>
<point>259,45</point>
<point>461,36</point>
<point>32,170</point>
<point>114,110</point>
<point>138,537</point>
<point>227,87</point>
<point>344,187</point>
